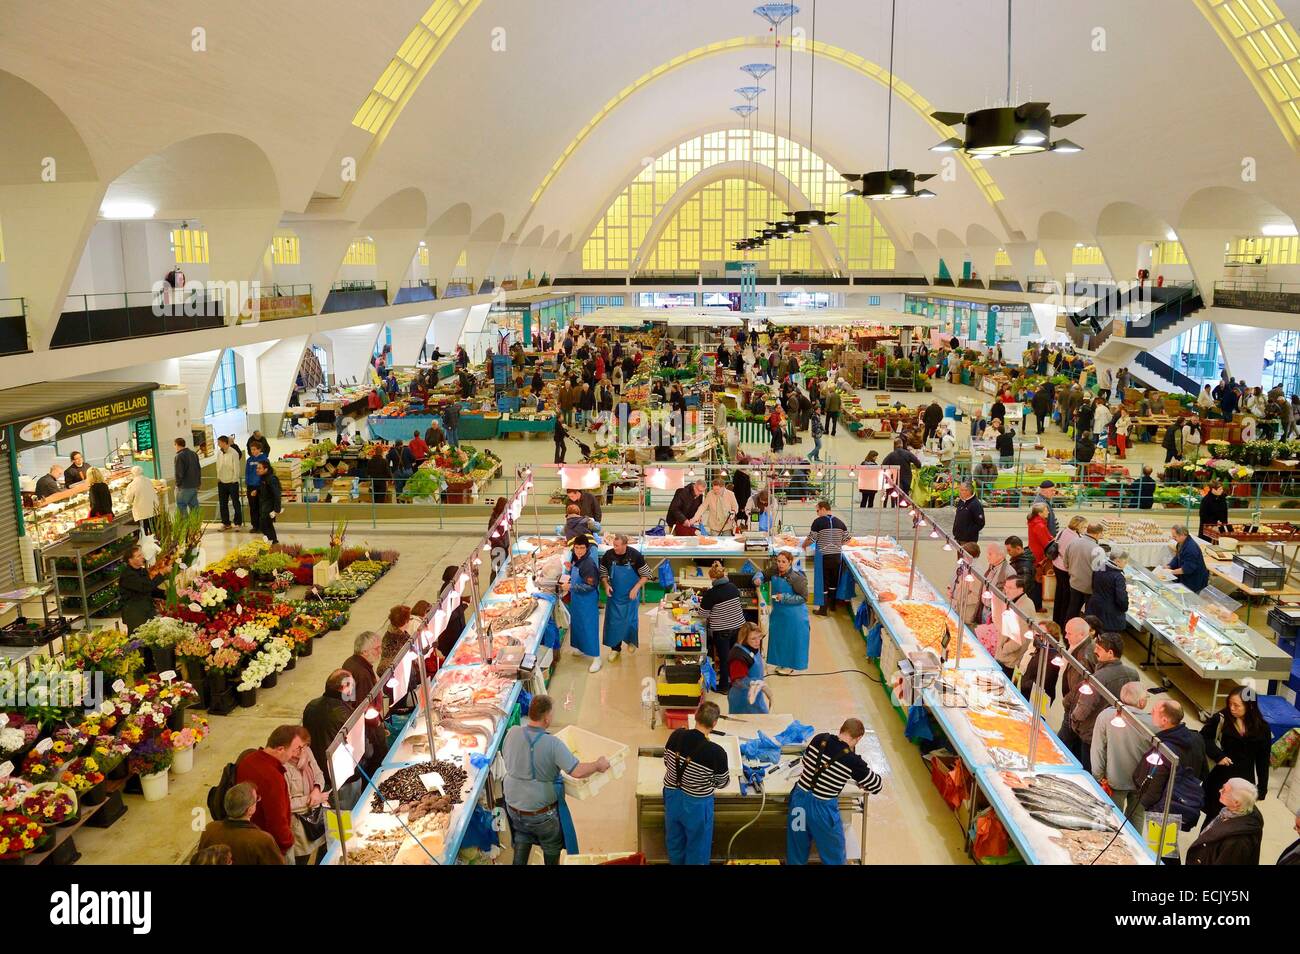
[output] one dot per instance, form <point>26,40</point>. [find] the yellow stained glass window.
<point>1266,249</point>
<point>422,255</point>
<point>1268,49</point>
<point>1002,258</point>
<point>190,246</point>
<point>1039,260</point>
<point>1168,253</point>
<point>360,252</point>
<point>285,250</point>
<point>1087,255</point>
<point>463,261</point>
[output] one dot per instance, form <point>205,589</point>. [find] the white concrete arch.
<point>1057,235</point>
<point>1213,217</point>
<point>983,247</point>
<point>952,252</point>
<point>482,245</point>
<point>397,225</point>
<point>927,255</point>
<point>446,238</point>
<point>1126,233</point>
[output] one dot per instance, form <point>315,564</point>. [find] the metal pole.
<point>1169,797</point>
<point>916,540</point>
<point>428,697</point>
<point>1036,703</point>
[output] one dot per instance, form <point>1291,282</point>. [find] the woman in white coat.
<point>143,499</point>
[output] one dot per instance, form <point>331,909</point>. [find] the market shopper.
<point>264,768</point>
<point>830,762</point>
<point>931,418</point>
<point>324,716</point>
<point>968,515</point>
<point>252,480</point>
<point>1078,561</point>
<point>1078,644</point>
<point>142,498</point>
<point>788,629</point>
<point>685,504</point>
<point>188,472</point>
<point>268,500</point>
<point>1144,489</point>
<point>1116,749</point>
<point>1061,604</point>
<point>307,795</point>
<point>246,842</point>
<point>1214,508</point>
<point>534,787</point>
<point>834,404</point>
<point>719,508</point>
<point>1111,673</point>
<point>559,434</point>
<point>827,536</point>
<point>694,768</point>
<point>576,525</point>
<point>748,692</point>
<point>1188,564</point>
<point>964,594</point>
<point>904,460</point>
<point>139,588</point>
<point>1046,491</point>
<point>1234,835</point>
<point>1015,638</point>
<point>1238,743</point>
<point>101,498</point>
<point>1109,599</point>
<point>583,578</point>
<point>229,464</point>
<point>588,503</point>
<point>623,571</point>
<point>868,497</point>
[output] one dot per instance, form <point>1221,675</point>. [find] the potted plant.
<point>150,760</point>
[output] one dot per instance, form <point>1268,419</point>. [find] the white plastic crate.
<point>588,746</point>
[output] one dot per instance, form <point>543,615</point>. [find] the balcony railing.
<point>13,326</point>
<point>945,281</point>
<point>276,303</point>
<point>118,316</point>
<point>416,291</point>
<point>459,287</point>
<point>1004,284</point>
<point>1259,296</point>
<point>889,278</point>
<point>349,296</point>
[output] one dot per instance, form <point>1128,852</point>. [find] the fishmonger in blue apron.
<point>788,628</point>
<point>694,768</point>
<point>829,763</point>
<point>624,571</point>
<point>534,787</point>
<point>748,692</point>
<point>584,601</point>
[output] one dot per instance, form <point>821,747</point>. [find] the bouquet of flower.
<point>194,647</point>
<point>19,835</point>
<point>274,657</point>
<point>255,632</point>
<point>177,694</point>
<point>232,581</point>
<point>186,738</point>
<point>110,651</point>
<point>152,755</point>
<point>163,632</point>
<point>12,790</point>
<point>83,774</point>
<point>50,804</point>
<point>109,751</point>
<point>41,766</point>
<point>70,740</point>
<point>11,740</point>
<point>281,582</point>
<point>225,660</point>
<point>203,596</point>
<point>151,717</point>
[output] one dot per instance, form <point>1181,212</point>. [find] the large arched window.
<point>725,211</point>
<point>1282,362</point>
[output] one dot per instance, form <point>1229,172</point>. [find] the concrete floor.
<point>909,824</point>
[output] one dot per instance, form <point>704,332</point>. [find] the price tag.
<point>118,685</point>
<point>433,782</point>
<point>216,643</point>
<point>239,609</point>
<point>168,676</point>
<point>106,708</point>
<point>44,745</point>
<point>4,720</point>
<point>6,769</point>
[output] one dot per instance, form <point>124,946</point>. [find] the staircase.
<point>1158,374</point>
<point>1109,318</point>
<point>1139,334</point>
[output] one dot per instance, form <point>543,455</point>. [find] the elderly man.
<point>624,572</point>
<point>1078,643</point>
<point>719,508</point>
<point>248,844</point>
<point>1046,491</point>
<point>1117,749</point>
<point>264,769</point>
<point>1150,779</point>
<point>1188,563</point>
<point>1234,835</point>
<point>968,515</point>
<point>1078,563</point>
<point>985,474</point>
<point>685,504</point>
<point>366,651</point>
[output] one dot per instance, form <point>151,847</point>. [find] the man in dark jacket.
<point>1150,780</point>
<point>451,423</point>
<point>1144,489</point>
<point>1042,405</point>
<point>1084,448</point>
<point>931,418</point>
<point>1109,599</point>
<point>1233,836</point>
<point>686,501</point>
<point>268,500</point>
<point>968,518</point>
<point>324,716</point>
<point>248,844</point>
<point>366,651</point>
<point>1111,673</point>
<point>742,487</point>
<point>189,476</point>
<point>588,504</point>
<point>904,460</point>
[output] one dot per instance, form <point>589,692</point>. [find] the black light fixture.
<point>810,217</point>
<point>1002,131</point>
<point>885,184</point>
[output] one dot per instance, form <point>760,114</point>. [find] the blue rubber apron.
<point>584,612</point>
<point>621,610</point>
<point>738,695</point>
<point>814,820</point>
<point>788,629</point>
<point>561,806</point>
<point>688,824</point>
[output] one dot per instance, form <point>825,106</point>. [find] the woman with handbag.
<point>1061,601</point>
<point>307,797</point>
<point>1040,539</point>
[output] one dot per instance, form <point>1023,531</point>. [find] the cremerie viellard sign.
<point>82,418</point>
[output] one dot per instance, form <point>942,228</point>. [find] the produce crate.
<point>588,746</point>
<point>1285,622</point>
<point>1260,573</point>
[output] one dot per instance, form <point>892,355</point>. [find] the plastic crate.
<point>588,746</point>
<point>1285,622</point>
<point>1259,573</point>
<point>1280,715</point>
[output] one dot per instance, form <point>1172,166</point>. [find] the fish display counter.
<point>985,719</point>
<point>1205,637</point>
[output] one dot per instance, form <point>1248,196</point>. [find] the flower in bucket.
<point>186,738</point>
<point>41,766</point>
<point>163,632</point>
<point>152,756</point>
<point>200,727</point>
<point>254,632</point>
<point>83,774</point>
<point>225,660</point>
<point>109,751</point>
<point>11,740</point>
<point>50,804</point>
<point>273,658</point>
<point>19,835</point>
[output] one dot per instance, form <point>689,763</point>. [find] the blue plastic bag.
<point>863,614</point>
<point>796,733</point>
<point>480,833</point>
<point>479,761</point>
<point>918,725</point>
<point>551,637</point>
<point>666,578</point>
<point>710,675</point>
<point>748,568</point>
<point>873,642</point>
<point>762,749</point>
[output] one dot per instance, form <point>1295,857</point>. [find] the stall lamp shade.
<point>487,547</point>
<point>920,522</point>
<point>372,713</point>
<point>1065,145</point>
<point>1155,759</point>
<point>1085,690</point>
<point>1058,662</point>
<point>1118,722</point>
<point>970,578</point>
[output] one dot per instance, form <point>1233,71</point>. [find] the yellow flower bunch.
<point>240,556</point>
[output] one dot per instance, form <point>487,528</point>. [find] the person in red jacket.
<point>264,768</point>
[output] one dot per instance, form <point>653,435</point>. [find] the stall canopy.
<point>877,317</point>
<point>50,411</point>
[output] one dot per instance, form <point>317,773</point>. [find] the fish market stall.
<point>1204,637</point>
